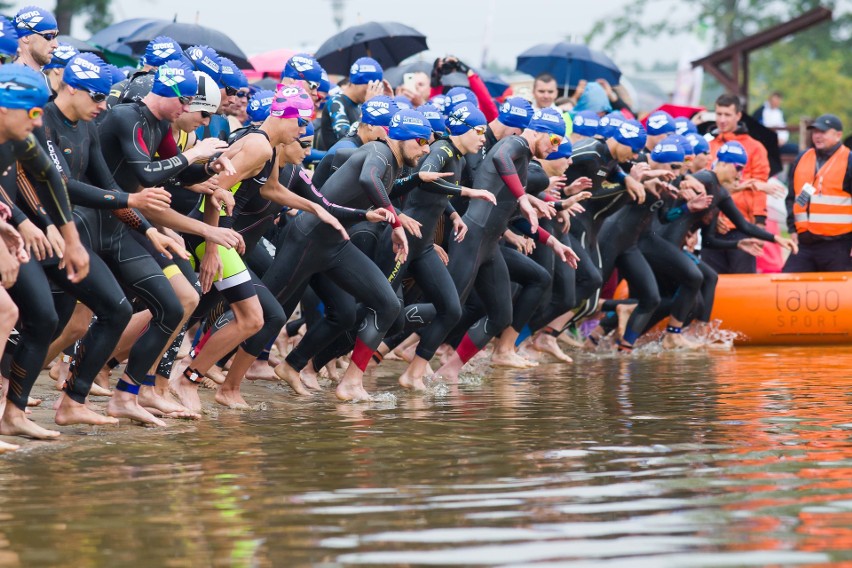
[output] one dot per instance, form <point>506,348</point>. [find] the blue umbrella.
<point>569,63</point>
<point>495,84</point>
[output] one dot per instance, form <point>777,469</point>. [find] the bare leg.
<point>76,328</point>
<point>228,394</point>
<point>126,405</point>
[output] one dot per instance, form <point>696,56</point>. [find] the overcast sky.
<point>459,27</point>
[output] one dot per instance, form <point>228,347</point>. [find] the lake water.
<point>718,458</point>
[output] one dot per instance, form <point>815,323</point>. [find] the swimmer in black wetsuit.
<point>21,109</point>
<point>72,142</point>
<point>253,326</point>
<point>477,261</point>
<point>130,136</point>
<point>313,248</point>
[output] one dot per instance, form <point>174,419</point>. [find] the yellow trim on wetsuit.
<point>171,270</point>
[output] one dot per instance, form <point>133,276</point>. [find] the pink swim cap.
<point>292,102</point>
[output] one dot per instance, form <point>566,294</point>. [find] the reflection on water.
<point>722,458</point>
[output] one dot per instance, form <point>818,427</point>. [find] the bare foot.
<point>309,377</point>
<point>6,447</point>
<point>72,412</point>
<point>232,399</point>
<point>677,341</point>
<point>33,401</point>
<point>412,382</point>
<point>59,373</point>
<point>186,392</point>
<point>546,343</point>
<point>569,340</point>
<point>16,423</point>
<point>103,378</point>
<point>215,374</point>
<point>261,371</point>
<point>333,371</point>
<point>351,392</point>
<point>290,376</point>
<point>164,404</point>
<point>126,405</point>
<point>98,390</point>
<point>509,359</point>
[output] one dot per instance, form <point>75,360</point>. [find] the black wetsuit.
<point>477,262</point>
<point>314,247</point>
<point>31,292</point>
<point>591,158</point>
<point>337,118</point>
<point>324,169</point>
<point>130,135</point>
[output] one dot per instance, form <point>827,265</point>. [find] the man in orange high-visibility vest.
<point>819,201</point>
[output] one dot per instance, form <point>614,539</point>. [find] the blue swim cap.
<point>465,116</point>
<point>175,79</point>
<point>631,134</point>
<point>403,102</point>
<point>259,105</point>
<point>22,87</point>
<point>364,70</point>
<point>564,150</point>
<point>440,101</point>
<point>8,37</point>
<point>699,144</point>
<point>731,152</point>
<point>61,56</point>
<point>548,120</point>
<point>458,95</point>
<point>207,60</point>
<point>610,123</point>
<point>161,49</point>
<point>303,67</point>
<point>516,112</point>
<point>660,122</point>
<point>32,19</point>
<point>231,75</point>
<point>684,125</point>
<point>325,83</point>
<point>435,117</point>
<point>586,123</point>
<point>88,72</point>
<point>668,151</point>
<point>116,73</point>
<point>685,144</point>
<point>408,125</point>
<point>378,111</point>
<point>309,131</point>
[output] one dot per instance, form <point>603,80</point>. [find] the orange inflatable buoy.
<point>783,309</point>
<point>774,309</point>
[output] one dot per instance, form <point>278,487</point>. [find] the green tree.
<point>96,10</point>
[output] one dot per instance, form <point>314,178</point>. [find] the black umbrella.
<point>394,75</point>
<point>568,63</point>
<point>389,43</point>
<point>188,35</point>
<point>117,32</point>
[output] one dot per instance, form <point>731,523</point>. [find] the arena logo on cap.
<point>731,150</point>
<point>431,115</point>
<point>163,50</point>
<point>459,116</point>
<point>85,69</point>
<point>171,77</point>
<point>412,120</point>
<point>628,130</point>
<point>378,108</point>
<point>659,148</point>
<point>32,18</point>
<point>12,86</point>
<point>658,121</point>
<point>301,64</point>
